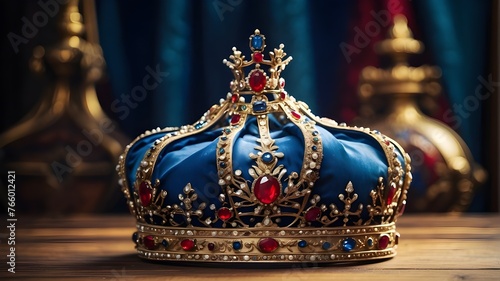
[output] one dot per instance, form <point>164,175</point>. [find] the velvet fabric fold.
<point>348,156</point>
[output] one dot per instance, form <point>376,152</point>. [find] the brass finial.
<point>400,40</point>
<point>399,78</point>
<point>389,103</point>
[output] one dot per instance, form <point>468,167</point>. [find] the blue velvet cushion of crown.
<point>260,178</point>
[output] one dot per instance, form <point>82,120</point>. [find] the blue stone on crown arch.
<point>257,42</point>
<point>267,157</point>
<point>259,106</point>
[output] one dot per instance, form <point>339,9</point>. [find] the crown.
<point>260,178</point>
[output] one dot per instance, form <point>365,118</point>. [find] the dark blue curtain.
<point>189,40</point>
<point>457,34</point>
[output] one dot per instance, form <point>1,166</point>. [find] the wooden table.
<point>432,247</point>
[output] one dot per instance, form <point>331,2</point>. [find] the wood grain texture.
<point>432,247</point>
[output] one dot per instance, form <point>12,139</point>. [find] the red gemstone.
<point>390,195</point>
<point>145,193</point>
<point>282,83</point>
<point>257,57</point>
<point>296,115</point>
<point>383,242</point>
<point>402,208</point>
<point>235,119</point>
<point>257,81</point>
<point>234,98</point>
<point>313,214</point>
<point>149,242</point>
<point>283,95</point>
<point>211,246</point>
<point>187,244</point>
<point>224,213</point>
<point>266,189</point>
<point>268,245</point>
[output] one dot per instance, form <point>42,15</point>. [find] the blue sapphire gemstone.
<point>267,157</point>
<point>222,164</point>
<point>326,245</point>
<point>135,236</point>
<point>237,245</point>
<point>223,138</point>
<point>198,126</point>
<point>257,42</point>
<point>227,130</point>
<point>314,148</point>
<point>164,243</point>
<point>369,242</point>
<point>315,133</point>
<point>302,243</point>
<point>348,244</point>
<point>259,106</point>
<point>221,151</point>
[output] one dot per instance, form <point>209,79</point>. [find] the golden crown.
<point>263,179</point>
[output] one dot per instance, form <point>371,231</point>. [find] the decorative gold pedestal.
<point>445,174</point>
<point>65,151</point>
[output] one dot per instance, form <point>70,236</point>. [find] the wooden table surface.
<point>432,247</point>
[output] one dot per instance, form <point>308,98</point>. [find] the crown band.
<point>267,244</point>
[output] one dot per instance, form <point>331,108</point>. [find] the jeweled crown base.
<point>319,245</point>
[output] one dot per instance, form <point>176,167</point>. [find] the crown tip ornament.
<point>260,178</point>
<point>257,81</point>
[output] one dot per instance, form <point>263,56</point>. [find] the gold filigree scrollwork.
<point>348,216</point>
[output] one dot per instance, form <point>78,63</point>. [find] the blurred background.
<point>80,80</point>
